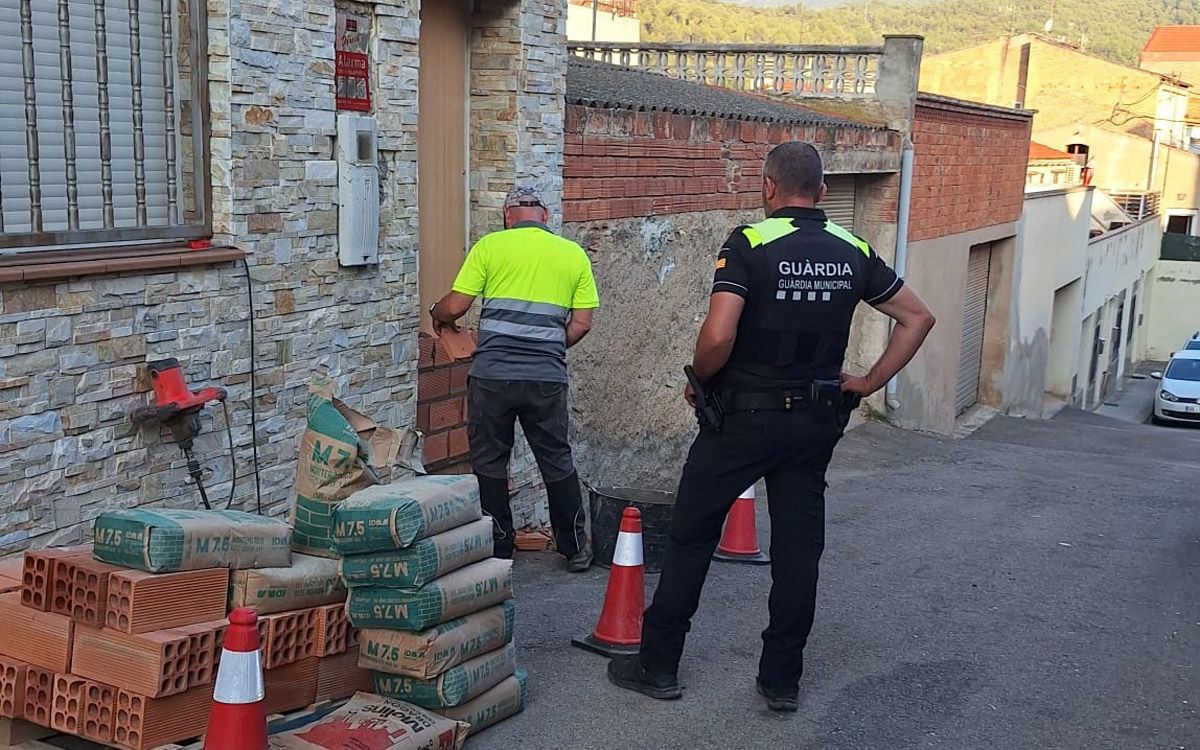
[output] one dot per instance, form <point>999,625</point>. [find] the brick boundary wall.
<point>442,408</point>
<point>623,163</point>
<point>969,166</point>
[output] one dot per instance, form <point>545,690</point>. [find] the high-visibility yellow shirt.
<point>530,279</point>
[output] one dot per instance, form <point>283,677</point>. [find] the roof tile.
<point>1174,39</point>
<point>598,84</point>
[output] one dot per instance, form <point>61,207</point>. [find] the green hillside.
<point>1113,28</point>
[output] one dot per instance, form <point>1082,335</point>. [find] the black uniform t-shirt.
<point>802,277</point>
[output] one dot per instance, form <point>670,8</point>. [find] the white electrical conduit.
<point>906,171</point>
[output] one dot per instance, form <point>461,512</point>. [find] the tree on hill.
<point>1116,29</point>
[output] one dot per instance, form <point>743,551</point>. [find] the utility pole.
<point>595,17</point>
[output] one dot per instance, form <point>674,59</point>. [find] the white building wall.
<point>1174,310</point>
<point>1051,254</point>
<point>609,26</point>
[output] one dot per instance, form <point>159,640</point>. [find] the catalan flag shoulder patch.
<point>720,263</point>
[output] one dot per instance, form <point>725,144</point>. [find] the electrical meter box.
<point>358,190</point>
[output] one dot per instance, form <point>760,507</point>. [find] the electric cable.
<point>232,456</point>
<point>253,389</point>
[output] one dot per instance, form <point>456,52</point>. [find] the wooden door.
<point>441,147</point>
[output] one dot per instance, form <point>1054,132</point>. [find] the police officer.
<point>771,350</point>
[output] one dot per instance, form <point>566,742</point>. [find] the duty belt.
<point>827,393</point>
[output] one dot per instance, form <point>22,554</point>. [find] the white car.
<point>1192,344</point>
<point>1178,396</point>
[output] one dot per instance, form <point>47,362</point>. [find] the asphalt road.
<point>1036,585</point>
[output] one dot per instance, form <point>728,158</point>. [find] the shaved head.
<point>795,168</point>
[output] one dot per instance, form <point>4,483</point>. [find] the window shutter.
<point>95,66</point>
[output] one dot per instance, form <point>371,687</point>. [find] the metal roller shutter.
<point>839,200</point>
<point>970,356</point>
<point>72,74</point>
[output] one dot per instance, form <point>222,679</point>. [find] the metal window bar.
<point>68,113</point>
<point>117,128</point>
<point>32,147</point>
<point>139,122</point>
<point>106,183</point>
<point>169,110</point>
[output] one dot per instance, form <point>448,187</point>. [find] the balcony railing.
<point>1138,204</point>
<point>802,72</point>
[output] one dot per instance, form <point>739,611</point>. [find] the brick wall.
<point>442,408</point>
<point>621,163</point>
<point>968,168</point>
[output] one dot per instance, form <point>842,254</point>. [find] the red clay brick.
<point>143,723</point>
<point>333,630</point>
<point>150,664</point>
<point>433,384</point>
<point>37,574</point>
<point>203,652</point>
<point>292,686</point>
<point>443,414</point>
<point>66,715</point>
<point>457,443</point>
<point>39,696</point>
<point>436,448</point>
<point>290,637</point>
<point>99,706</point>
<point>141,602</point>
<point>42,639</point>
<point>340,677</point>
<point>458,378</point>
<point>89,591</point>
<point>425,343</point>
<point>12,687</point>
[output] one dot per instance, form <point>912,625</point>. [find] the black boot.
<point>627,672</point>
<point>569,521</point>
<point>779,700</point>
<point>493,496</point>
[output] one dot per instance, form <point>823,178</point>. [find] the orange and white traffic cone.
<point>238,719</point>
<point>739,540</point>
<point>619,630</point>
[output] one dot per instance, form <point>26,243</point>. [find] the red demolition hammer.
<point>179,409</point>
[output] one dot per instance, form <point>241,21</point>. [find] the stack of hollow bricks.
<point>442,408</point>
<point>127,658</point>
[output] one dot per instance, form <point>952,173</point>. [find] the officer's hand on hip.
<point>856,384</point>
<point>689,395</point>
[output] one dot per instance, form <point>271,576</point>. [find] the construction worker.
<point>538,296</point>
<point>771,350</point>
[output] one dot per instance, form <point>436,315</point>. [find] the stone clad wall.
<point>72,351</point>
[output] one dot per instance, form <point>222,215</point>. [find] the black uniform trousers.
<point>791,449</point>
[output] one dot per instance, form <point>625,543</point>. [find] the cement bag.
<point>430,652</point>
<point>462,592</point>
<point>369,722</point>
<point>396,515</point>
<point>309,582</point>
<point>424,561</point>
<point>455,686</point>
<point>505,700</point>
<point>165,540</point>
<point>339,452</point>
